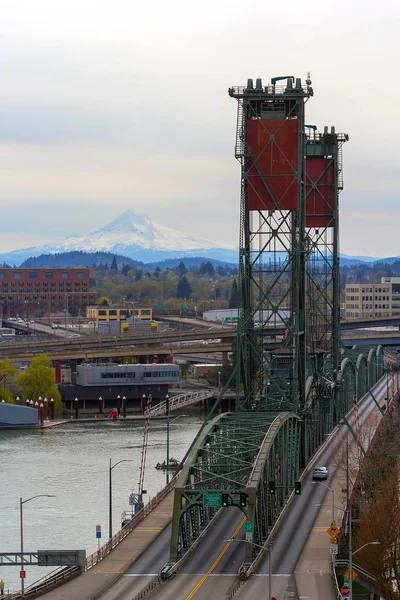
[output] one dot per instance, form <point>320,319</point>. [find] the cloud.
<point>107,106</point>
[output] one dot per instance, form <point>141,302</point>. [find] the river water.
<point>71,462</point>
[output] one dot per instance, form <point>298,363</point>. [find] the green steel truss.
<point>241,452</point>
<point>289,398</point>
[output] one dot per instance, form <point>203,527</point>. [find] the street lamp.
<point>21,502</point>
<point>269,550</point>
<point>167,413</point>
<point>367,544</point>
<point>333,496</point>
<point>168,424</point>
<point>110,495</point>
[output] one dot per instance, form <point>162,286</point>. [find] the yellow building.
<point>118,313</point>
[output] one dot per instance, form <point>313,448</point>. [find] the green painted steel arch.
<point>372,367</point>
<point>362,376</point>
<point>380,363</point>
<point>347,388</point>
<point>278,460</point>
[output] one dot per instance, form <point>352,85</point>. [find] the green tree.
<point>6,395</point>
<point>125,269</point>
<point>7,371</point>
<point>38,380</point>
<point>234,298</point>
<point>181,268</point>
<point>183,289</point>
<point>207,269</point>
<point>114,265</point>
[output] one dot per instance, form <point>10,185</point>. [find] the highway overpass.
<point>183,343</point>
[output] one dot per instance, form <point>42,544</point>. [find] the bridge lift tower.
<point>288,263</point>
<point>289,395</point>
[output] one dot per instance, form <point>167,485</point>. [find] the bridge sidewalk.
<point>103,575</point>
<point>313,573</point>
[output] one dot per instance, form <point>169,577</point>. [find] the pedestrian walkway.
<point>105,573</point>
<point>313,573</point>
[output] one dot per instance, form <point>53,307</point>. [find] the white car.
<point>320,473</point>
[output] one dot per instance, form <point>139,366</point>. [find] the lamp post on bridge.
<point>110,495</point>
<point>351,553</point>
<point>269,550</point>
<point>21,502</point>
<point>333,496</point>
<point>167,413</point>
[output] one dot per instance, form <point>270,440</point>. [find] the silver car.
<point>320,473</point>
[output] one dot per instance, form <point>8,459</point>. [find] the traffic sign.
<point>98,531</point>
<point>333,530</point>
<point>345,591</point>
<point>333,549</point>
<point>248,527</point>
<point>249,536</point>
<point>212,500</point>
<point>22,574</point>
<point>347,575</point>
<point>333,541</point>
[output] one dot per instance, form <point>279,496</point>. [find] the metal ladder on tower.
<point>240,144</point>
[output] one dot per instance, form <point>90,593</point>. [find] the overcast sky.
<point>111,105</point>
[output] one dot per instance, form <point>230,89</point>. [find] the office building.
<point>369,300</point>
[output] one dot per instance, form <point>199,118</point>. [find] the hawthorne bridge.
<point>244,478</point>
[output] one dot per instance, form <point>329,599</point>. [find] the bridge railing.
<point>63,575</point>
<point>176,402</point>
<point>102,552</point>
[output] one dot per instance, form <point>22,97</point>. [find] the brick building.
<point>36,292</point>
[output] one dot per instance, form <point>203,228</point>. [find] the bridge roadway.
<point>215,339</point>
<point>300,559</point>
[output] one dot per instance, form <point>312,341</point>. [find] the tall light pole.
<point>167,413</point>
<point>269,550</point>
<point>21,502</point>
<point>168,424</point>
<point>351,554</point>
<point>333,496</point>
<point>110,495</point>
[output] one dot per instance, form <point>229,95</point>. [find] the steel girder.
<point>271,255</point>
<point>221,460</point>
<point>278,460</point>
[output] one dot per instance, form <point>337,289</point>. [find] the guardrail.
<point>47,583</point>
<point>102,552</point>
<point>176,402</point>
<point>68,573</point>
<point>152,585</point>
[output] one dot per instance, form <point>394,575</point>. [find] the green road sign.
<point>248,527</point>
<point>184,307</point>
<point>159,308</point>
<point>212,500</point>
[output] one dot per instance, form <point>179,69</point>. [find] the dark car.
<point>320,473</point>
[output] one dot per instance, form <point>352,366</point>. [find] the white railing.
<point>176,402</point>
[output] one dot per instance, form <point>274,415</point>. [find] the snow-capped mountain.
<point>135,236</point>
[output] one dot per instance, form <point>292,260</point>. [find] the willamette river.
<point>71,462</point>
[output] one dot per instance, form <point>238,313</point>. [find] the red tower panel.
<point>274,161</point>
<point>319,191</point>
